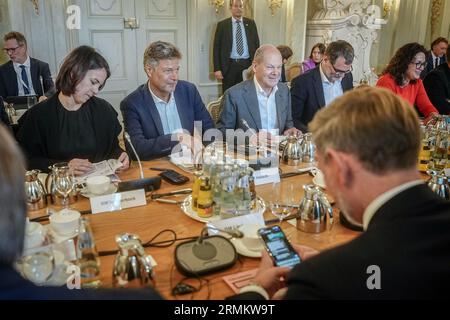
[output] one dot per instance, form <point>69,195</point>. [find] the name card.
<point>118,201</point>
<point>266,175</point>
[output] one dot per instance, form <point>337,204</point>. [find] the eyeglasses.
<point>12,50</point>
<point>420,65</point>
<point>341,72</point>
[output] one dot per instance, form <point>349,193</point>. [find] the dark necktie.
<point>239,40</point>
<point>25,84</point>
<point>436,62</point>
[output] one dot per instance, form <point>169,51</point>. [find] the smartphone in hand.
<point>279,247</point>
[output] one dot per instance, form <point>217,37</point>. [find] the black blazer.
<point>14,287</point>
<point>8,78</point>
<point>437,85</point>
<point>223,42</point>
<point>408,238</point>
<point>307,96</point>
<point>430,65</point>
<point>3,115</point>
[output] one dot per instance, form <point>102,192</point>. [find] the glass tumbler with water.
<point>87,256</point>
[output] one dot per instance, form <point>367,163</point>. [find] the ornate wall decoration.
<point>274,5</point>
<point>218,4</point>
<point>356,21</point>
<point>36,6</point>
<point>436,16</point>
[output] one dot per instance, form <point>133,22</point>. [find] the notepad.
<point>239,280</point>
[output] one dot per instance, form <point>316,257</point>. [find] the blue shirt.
<point>267,108</point>
<point>168,113</point>
<point>234,54</point>
<point>331,90</point>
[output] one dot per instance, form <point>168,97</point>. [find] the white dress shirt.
<point>18,70</point>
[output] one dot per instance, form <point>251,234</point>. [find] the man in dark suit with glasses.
<point>319,87</point>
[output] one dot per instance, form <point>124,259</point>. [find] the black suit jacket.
<point>430,65</point>
<point>437,85</point>
<point>3,115</point>
<point>223,42</point>
<point>308,97</point>
<point>8,79</point>
<point>408,238</point>
<point>14,287</point>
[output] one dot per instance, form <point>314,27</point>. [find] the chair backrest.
<point>293,71</point>
<point>247,73</point>
<point>214,109</point>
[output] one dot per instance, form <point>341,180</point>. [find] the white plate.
<point>85,193</point>
<point>186,207</point>
<point>244,251</point>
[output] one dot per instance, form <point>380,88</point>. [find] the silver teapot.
<point>313,210</point>
<point>438,183</point>
<point>34,191</point>
<point>132,267</point>
<point>292,152</point>
<point>57,169</point>
<point>308,149</point>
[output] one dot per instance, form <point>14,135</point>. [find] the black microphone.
<point>149,184</point>
<point>246,126</point>
<point>41,80</point>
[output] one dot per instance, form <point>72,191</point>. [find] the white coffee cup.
<point>98,185</point>
<point>65,222</point>
<point>34,235</point>
<point>251,239</point>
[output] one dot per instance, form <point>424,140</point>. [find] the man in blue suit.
<point>160,114</point>
<point>23,75</point>
<point>330,79</point>
<point>436,56</point>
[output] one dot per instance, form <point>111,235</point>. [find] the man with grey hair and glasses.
<point>160,114</point>
<point>319,87</point>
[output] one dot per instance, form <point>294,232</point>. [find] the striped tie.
<point>25,84</point>
<point>239,40</point>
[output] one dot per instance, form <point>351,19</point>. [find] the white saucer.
<point>244,251</point>
<point>85,193</point>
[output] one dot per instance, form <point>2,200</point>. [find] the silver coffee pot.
<point>58,169</point>
<point>132,267</point>
<point>34,191</point>
<point>438,183</point>
<point>308,149</point>
<point>313,210</point>
<point>292,152</point>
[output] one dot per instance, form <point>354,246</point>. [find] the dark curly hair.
<point>402,58</point>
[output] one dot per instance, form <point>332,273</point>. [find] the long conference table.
<point>147,221</point>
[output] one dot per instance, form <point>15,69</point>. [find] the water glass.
<point>281,202</point>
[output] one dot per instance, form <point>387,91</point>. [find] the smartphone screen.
<point>279,247</point>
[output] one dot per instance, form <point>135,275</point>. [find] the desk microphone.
<point>246,126</point>
<point>127,136</point>
<point>41,80</point>
<point>149,184</point>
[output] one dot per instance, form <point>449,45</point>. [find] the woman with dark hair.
<point>73,125</point>
<point>402,76</point>
<point>315,57</point>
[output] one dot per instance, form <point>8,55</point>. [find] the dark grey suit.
<point>241,102</point>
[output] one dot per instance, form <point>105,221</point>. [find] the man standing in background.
<point>235,43</point>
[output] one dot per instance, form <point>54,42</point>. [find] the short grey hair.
<point>338,49</point>
<point>13,207</point>
<point>160,50</point>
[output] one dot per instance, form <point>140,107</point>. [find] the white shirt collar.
<point>260,90</point>
<point>379,201</point>
<point>26,63</point>
<point>324,77</point>
<point>236,20</point>
<point>158,99</point>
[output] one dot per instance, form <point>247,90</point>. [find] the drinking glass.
<point>31,101</point>
<point>281,201</point>
<point>64,184</point>
<point>38,266</point>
